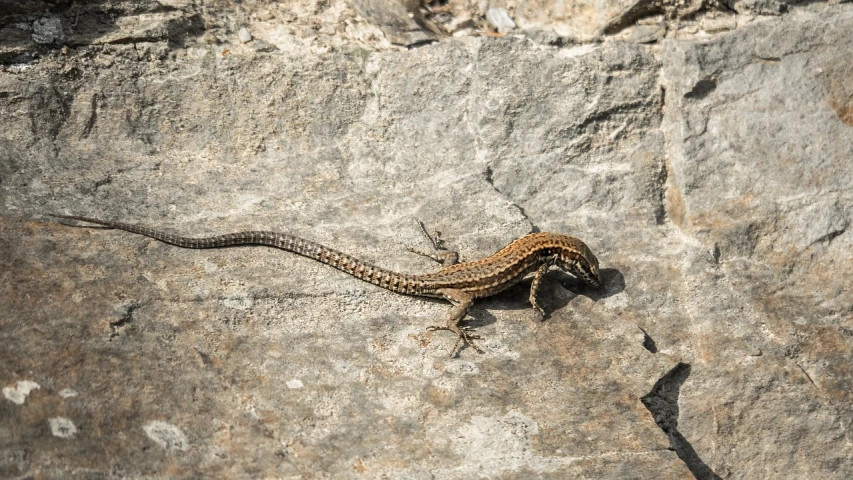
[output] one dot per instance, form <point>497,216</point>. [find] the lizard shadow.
<point>550,295</point>
<point>612,283</point>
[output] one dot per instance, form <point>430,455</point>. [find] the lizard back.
<point>509,265</point>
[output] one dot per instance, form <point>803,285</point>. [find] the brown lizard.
<point>458,283</point>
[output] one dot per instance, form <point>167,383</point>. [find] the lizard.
<point>458,283</point>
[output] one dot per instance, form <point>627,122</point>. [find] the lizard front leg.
<point>537,279</point>
<point>462,302</point>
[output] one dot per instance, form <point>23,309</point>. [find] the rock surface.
<point>709,168</point>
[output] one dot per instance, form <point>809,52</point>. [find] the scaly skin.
<point>459,283</point>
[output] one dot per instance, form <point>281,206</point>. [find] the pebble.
<point>244,35</point>
<point>499,18</point>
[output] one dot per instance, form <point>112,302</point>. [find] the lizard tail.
<point>381,277</point>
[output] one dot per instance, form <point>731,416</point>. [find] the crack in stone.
<point>829,237</point>
<point>809,377</point>
<point>488,175</point>
<point>93,117</point>
<point>125,317</point>
<point>660,208</point>
<point>662,402</point>
<point>649,342</point>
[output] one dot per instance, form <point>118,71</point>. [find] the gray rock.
<point>719,23</point>
<point>646,33</point>
<point>581,19</point>
<point>760,171</point>
<point>399,25</point>
<point>719,208</point>
<point>47,30</point>
<point>499,18</point>
<point>262,46</point>
<point>244,36</point>
<point>627,13</point>
<point>760,7</point>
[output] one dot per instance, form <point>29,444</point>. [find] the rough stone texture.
<point>760,145</point>
<point>712,176</point>
<point>582,19</point>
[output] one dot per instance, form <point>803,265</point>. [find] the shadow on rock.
<point>612,283</point>
<point>662,402</point>
<point>550,296</point>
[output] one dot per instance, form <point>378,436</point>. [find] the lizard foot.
<point>463,334</point>
<point>538,313</point>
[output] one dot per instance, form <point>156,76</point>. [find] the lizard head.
<point>580,262</point>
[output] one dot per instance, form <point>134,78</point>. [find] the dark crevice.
<point>662,402</point>
<point>93,117</point>
<point>662,177</point>
<point>649,342</point>
<point>702,89</point>
<point>205,358</point>
<point>421,43</point>
<point>714,254</point>
<point>726,7</point>
<point>660,208</point>
<point>125,317</point>
<point>769,59</point>
<point>630,16</point>
<point>129,40</point>
<point>105,181</point>
<point>829,237</point>
<point>809,377</point>
<point>600,117</point>
<point>489,176</point>
<point>533,228</point>
<point>489,173</point>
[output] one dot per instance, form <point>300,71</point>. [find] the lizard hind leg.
<point>440,252</point>
<point>462,302</point>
